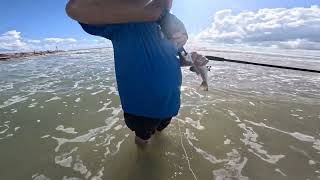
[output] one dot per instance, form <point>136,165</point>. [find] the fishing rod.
<point>214,58</point>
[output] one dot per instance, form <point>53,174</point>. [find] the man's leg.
<point>142,126</point>
<point>164,123</point>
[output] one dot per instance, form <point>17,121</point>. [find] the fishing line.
<point>185,152</point>
<point>214,58</point>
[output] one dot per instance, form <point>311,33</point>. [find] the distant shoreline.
<point>17,55</point>
<point>9,56</point>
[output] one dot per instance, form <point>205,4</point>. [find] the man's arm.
<point>115,11</point>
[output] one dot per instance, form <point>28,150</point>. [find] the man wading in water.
<point>147,69</point>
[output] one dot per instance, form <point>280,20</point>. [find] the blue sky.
<point>47,18</point>
<point>39,19</point>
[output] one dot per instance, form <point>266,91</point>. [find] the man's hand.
<point>198,59</point>
<point>114,11</point>
<point>195,60</point>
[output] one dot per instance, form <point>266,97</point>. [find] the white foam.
<point>118,145</point>
<point>233,168</point>
<point>45,136</point>
<point>66,130</point>
<point>316,144</point>
<point>227,142</point>
<point>76,84</point>
<point>279,171</point>
<point>98,92</point>
<point>99,175</point>
<point>113,90</point>
<point>231,113</point>
<point>190,135</point>
<point>65,160</point>
<point>6,87</point>
<point>88,175</point>
<point>312,162</point>
<point>86,137</point>
<point>32,105</point>
<point>250,139</point>
<point>70,178</point>
<point>77,100</point>
<point>5,129</point>
<point>296,135</point>
<point>53,99</point>
<point>183,88</point>
<point>195,124</point>
<point>105,107</point>
<point>13,100</point>
<point>40,177</point>
<point>116,111</point>
<point>208,156</point>
<point>79,166</point>
<point>302,137</point>
<point>117,128</point>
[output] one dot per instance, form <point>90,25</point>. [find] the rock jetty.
<point>8,56</point>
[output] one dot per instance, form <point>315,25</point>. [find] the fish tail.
<point>204,86</point>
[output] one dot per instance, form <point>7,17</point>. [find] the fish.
<point>201,71</point>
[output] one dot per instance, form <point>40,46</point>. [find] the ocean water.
<point>60,118</point>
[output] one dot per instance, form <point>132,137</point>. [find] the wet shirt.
<point>147,70</point>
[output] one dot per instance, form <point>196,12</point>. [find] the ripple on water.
<point>250,139</point>
<point>111,121</point>
<point>39,177</point>
<point>13,100</point>
<point>233,163</point>
<point>65,159</point>
<point>66,130</point>
<point>296,135</point>
<point>53,99</point>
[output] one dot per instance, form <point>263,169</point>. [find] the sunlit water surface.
<point>60,118</point>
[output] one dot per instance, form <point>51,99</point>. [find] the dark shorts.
<point>144,127</point>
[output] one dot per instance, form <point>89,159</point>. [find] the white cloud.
<point>33,41</point>
<point>60,40</point>
<point>295,28</point>
<point>13,41</point>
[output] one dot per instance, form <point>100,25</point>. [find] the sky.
<point>34,24</point>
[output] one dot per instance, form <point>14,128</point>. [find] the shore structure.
<point>8,56</point>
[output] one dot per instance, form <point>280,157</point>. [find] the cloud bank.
<point>295,28</point>
<point>280,28</point>
<point>13,41</point>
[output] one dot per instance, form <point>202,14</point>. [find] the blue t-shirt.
<point>147,69</point>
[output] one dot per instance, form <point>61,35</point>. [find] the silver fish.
<point>201,71</point>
